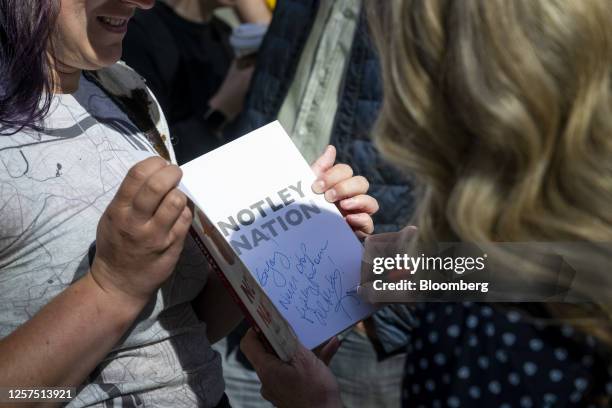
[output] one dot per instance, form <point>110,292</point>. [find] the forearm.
<point>253,11</point>
<point>66,339</point>
<point>215,306</point>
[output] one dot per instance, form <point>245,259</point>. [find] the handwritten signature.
<point>314,299</point>
<point>276,265</point>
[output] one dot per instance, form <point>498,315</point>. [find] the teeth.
<point>115,22</point>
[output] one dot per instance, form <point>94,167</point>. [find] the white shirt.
<point>54,186</point>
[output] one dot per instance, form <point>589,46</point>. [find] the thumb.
<point>255,351</point>
<point>325,161</point>
<point>327,351</point>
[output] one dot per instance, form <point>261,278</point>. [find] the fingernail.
<point>318,186</point>
<point>331,195</point>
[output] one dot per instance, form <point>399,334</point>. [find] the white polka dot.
<point>501,356</point>
<point>508,339</point>
<point>495,387</point>
<point>536,344</point>
<point>463,373</point>
<point>575,396</point>
<point>474,392</point>
<point>513,316</point>
<point>550,398</point>
<point>453,330</point>
<point>440,359</point>
<point>555,375</point>
<point>526,402</point>
<point>473,340</point>
<point>609,388</point>
<point>560,354</point>
<point>472,321</point>
<point>453,402</point>
<point>581,383</point>
<point>431,316</point>
<point>514,378</point>
<point>490,330</point>
<point>486,311</point>
<point>430,385</point>
<point>530,368</point>
<point>483,362</point>
<point>423,363</point>
<point>433,337</point>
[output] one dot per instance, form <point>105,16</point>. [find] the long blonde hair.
<point>503,111</point>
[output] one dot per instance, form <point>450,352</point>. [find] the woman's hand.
<point>346,190</point>
<point>139,239</point>
<point>305,381</point>
<point>141,234</point>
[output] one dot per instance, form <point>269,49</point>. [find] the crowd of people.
<point>474,121</point>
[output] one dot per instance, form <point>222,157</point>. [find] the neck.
<point>65,79</point>
<point>197,11</point>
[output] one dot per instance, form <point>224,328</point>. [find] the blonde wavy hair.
<point>502,109</point>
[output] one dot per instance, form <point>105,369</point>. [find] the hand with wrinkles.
<point>141,234</point>
<point>303,382</point>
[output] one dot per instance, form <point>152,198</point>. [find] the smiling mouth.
<point>113,22</point>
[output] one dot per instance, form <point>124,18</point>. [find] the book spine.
<point>215,267</point>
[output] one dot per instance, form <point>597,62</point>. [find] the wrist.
<point>124,306</point>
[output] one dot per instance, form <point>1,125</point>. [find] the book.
<point>287,255</point>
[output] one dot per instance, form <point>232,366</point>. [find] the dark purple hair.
<point>25,75</point>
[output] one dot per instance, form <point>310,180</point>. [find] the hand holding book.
<point>348,192</point>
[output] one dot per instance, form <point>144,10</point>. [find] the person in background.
<point>182,50</point>
<point>101,287</point>
<point>502,110</point>
<point>317,73</point>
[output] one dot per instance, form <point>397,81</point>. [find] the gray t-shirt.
<point>54,186</point>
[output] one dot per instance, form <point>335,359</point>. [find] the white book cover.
<point>298,249</point>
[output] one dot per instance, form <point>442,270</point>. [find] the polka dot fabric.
<point>477,355</point>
